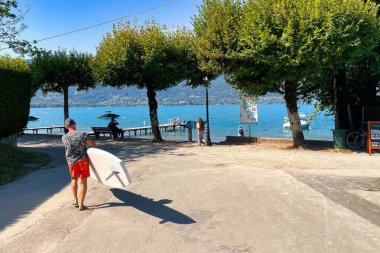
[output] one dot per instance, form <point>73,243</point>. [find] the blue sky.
<point>51,17</point>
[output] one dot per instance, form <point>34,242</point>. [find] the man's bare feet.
<point>83,208</point>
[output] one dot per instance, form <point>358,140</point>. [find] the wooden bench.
<point>104,131</point>
<point>101,130</point>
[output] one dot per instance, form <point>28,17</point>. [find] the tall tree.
<point>59,70</point>
<point>278,44</point>
<point>353,77</point>
<point>11,26</point>
<point>281,43</point>
<point>296,39</point>
<point>149,57</point>
<point>225,30</point>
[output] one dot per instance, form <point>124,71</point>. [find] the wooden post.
<point>190,134</point>
<point>369,138</point>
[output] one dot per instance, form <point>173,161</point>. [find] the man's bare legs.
<point>82,194</point>
<point>74,190</point>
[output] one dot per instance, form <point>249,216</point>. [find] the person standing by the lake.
<point>79,165</point>
<point>201,129</point>
<point>240,132</point>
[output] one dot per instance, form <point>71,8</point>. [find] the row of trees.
<point>301,48</point>
<point>149,57</point>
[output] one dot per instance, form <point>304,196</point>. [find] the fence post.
<point>190,134</point>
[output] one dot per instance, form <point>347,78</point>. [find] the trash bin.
<point>339,137</point>
<point>190,125</point>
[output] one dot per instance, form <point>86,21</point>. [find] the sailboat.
<point>304,119</point>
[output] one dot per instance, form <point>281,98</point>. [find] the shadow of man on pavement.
<point>148,206</point>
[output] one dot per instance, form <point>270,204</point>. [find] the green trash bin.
<point>339,137</point>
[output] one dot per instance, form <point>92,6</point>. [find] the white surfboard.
<point>108,169</point>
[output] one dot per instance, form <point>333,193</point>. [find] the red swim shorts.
<point>80,169</point>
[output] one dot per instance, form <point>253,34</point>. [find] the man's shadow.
<point>149,206</point>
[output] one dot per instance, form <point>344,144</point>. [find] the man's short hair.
<point>69,122</point>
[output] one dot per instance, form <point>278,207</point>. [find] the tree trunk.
<point>153,114</point>
<point>65,104</point>
<point>294,119</point>
<point>340,100</point>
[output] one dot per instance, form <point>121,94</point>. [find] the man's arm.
<point>90,143</point>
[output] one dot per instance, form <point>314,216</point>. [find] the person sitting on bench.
<point>114,129</point>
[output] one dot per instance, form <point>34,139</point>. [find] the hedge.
<point>15,95</point>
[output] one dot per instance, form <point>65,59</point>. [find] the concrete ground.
<point>186,198</point>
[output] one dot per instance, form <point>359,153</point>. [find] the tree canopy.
<point>146,56</point>
<point>216,29</point>
<point>7,62</point>
<point>298,38</point>
<point>57,71</point>
<point>280,44</point>
<point>11,26</point>
<point>357,79</point>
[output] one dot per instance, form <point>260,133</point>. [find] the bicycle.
<point>356,139</point>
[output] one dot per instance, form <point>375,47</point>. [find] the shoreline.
<point>258,140</point>
<point>224,120</point>
<point>145,105</point>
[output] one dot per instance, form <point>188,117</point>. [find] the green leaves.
<point>261,43</point>
<point>11,27</point>
<point>6,62</point>
<point>15,95</point>
<point>54,71</point>
<point>140,55</point>
<point>216,29</point>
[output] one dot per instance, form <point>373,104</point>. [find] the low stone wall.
<point>240,140</point>
<point>248,140</point>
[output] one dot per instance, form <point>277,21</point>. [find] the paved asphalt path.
<point>186,198</point>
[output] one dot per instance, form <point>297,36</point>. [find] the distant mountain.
<point>220,92</point>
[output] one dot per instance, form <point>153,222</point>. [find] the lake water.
<point>224,119</point>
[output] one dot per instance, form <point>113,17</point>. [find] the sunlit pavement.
<point>186,198</point>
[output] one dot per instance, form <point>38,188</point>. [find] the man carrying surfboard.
<point>76,143</point>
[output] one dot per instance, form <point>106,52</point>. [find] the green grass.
<point>17,162</point>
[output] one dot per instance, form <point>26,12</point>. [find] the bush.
<point>7,62</point>
<point>15,95</point>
